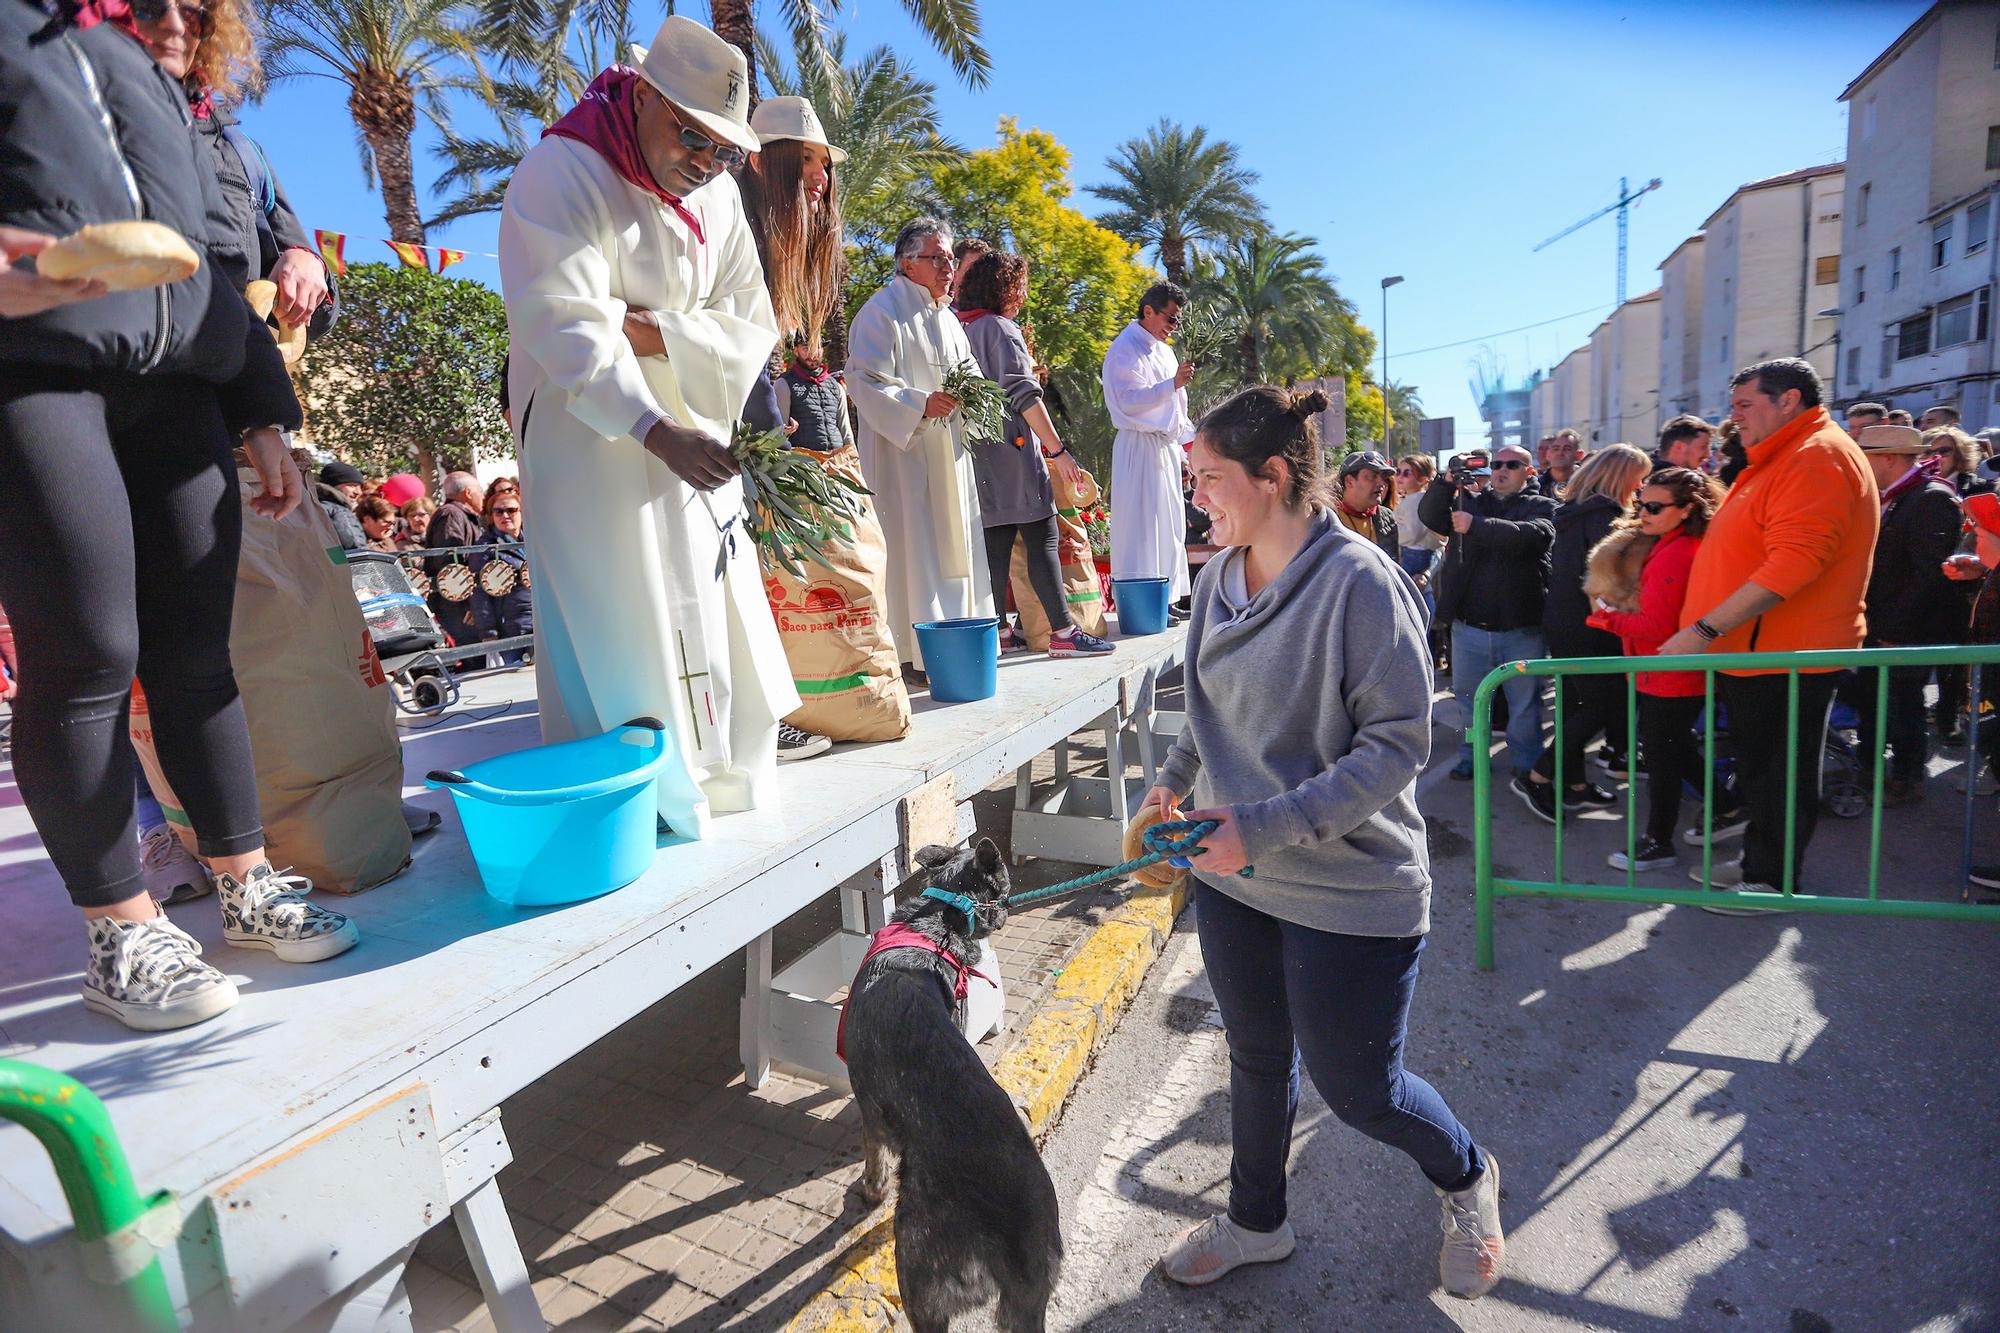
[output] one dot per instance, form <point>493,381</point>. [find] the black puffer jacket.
<point>1579,528</point>
<point>1910,601</point>
<point>92,131</point>
<point>1496,575</point>
<point>243,248</point>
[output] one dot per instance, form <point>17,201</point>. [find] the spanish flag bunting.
<point>446,258</point>
<point>331,244</point>
<point>413,256</point>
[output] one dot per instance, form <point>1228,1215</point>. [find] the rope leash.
<point>1177,839</point>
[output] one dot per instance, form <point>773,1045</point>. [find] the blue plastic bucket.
<point>1142,605</point>
<point>962,658</point>
<point>561,823</point>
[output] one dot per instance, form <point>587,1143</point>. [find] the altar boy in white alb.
<point>639,321</point>
<point>1145,390</point>
<point>912,442</point>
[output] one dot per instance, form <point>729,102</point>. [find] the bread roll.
<point>262,295</point>
<point>124,256</point>
<point>1159,875</point>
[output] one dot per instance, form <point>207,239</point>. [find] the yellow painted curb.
<point>1040,1070</point>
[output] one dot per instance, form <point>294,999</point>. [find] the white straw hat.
<point>792,118</point>
<point>703,76</point>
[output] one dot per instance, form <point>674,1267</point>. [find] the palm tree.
<point>952,26</point>
<point>1271,289</point>
<point>1176,192</point>
<point>397,57</point>
<point>1405,411</point>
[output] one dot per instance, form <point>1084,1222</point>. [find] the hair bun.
<point>1310,404</point>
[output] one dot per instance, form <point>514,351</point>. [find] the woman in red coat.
<point>1641,604</point>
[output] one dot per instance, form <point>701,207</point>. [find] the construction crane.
<point>1623,208</point>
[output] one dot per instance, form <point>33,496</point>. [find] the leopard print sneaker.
<point>268,910</point>
<point>149,975</point>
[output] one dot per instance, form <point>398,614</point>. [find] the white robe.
<point>920,469</point>
<point>631,616</point>
<point>1148,518</point>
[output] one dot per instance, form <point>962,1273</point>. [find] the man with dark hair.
<point>1860,416</point>
<point>1937,415</point>
<point>1896,416</point>
<point>1145,391</point>
<point>1782,569</point>
<point>1558,462</point>
<point>1684,443</point>
<point>1491,588</point>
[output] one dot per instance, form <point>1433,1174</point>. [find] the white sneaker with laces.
<point>1217,1247</point>
<point>1475,1246</point>
<point>268,910</point>
<point>797,743</point>
<point>149,975</point>
<point>170,873</point>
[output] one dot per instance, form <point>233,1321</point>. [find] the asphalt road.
<point>1779,1123</point>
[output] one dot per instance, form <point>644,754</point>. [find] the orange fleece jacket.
<point>1801,521</point>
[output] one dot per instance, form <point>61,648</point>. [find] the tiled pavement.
<point>651,1189</point>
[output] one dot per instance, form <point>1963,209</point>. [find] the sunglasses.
<point>1508,463</point>
<point>1656,507</point>
<point>510,509</point>
<point>156,11</point>
<point>727,155</point>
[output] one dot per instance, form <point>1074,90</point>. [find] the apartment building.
<point>1919,272</point>
<point>1624,374</point>
<point>1569,399</point>
<point>1680,329</point>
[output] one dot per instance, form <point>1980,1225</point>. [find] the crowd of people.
<point>1772,531</point>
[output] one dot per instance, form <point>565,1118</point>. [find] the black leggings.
<point>1591,705</point>
<point>1044,567</point>
<point>119,534</point>
<point>1673,757</point>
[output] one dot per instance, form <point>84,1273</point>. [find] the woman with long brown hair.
<point>791,196</point>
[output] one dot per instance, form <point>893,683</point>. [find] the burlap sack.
<point>322,724</point>
<point>843,657</point>
<point>1079,571</point>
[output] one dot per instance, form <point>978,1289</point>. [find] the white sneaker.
<point>269,911</point>
<point>171,874</point>
<point>1217,1247</point>
<point>149,975</point>
<point>1721,874</point>
<point>1475,1247</point>
<point>796,743</point>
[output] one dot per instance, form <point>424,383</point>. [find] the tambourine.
<point>454,583</point>
<point>420,583</point>
<point>526,582</point>
<point>498,577</point>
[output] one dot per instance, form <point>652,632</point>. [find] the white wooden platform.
<point>316,1131</point>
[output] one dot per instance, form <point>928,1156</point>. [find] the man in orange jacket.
<point>1784,568</point>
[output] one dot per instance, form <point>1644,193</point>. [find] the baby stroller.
<point>406,634</point>
<point>1844,790</point>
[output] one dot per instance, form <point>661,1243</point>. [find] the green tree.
<point>1405,411</point>
<point>410,376</point>
<point>951,26</point>
<point>1177,192</point>
<point>397,58</point>
<point>1288,318</point>
<point>1084,281</point>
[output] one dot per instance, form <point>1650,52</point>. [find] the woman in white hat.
<point>793,204</point>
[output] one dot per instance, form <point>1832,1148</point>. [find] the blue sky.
<point>1439,141</point>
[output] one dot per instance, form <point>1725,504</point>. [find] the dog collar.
<point>960,901</point>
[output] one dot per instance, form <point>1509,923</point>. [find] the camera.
<point>1469,466</point>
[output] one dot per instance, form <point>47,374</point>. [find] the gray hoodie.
<point>1309,716</point>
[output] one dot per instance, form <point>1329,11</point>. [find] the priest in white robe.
<point>639,320</point>
<point>1145,390</point>
<point>912,442</point>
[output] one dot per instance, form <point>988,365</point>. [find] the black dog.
<point>975,1211</point>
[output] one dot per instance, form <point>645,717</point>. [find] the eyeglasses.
<point>727,155</point>
<point>1656,507</point>
<point>1509,463</point>
<point>510,509</point>
<point>196,17</point>
<point>943,260</point>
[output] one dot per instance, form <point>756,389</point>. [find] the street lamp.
<point>1387,283</point>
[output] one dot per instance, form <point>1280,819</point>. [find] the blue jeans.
<point>1341,1001</point>
<point>1474,652</point>
<point>1417,562</point>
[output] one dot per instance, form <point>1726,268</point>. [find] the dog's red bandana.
<point>897,935</point>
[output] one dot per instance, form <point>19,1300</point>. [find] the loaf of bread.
<point>124,256</point>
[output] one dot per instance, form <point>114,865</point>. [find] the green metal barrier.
<point>119,1230</point>
<point>1489,887</point>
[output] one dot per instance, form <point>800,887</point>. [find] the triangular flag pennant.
<point>331,244</point>
<point>446,258</point>
<point>413,256</point>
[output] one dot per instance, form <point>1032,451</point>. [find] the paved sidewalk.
<point>651,1189</point>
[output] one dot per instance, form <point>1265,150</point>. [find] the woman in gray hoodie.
<point>1308,706</point>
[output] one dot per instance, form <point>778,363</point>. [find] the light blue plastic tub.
<point>962,658</point>
<point>1142,605</point>
<point>561,823</point>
